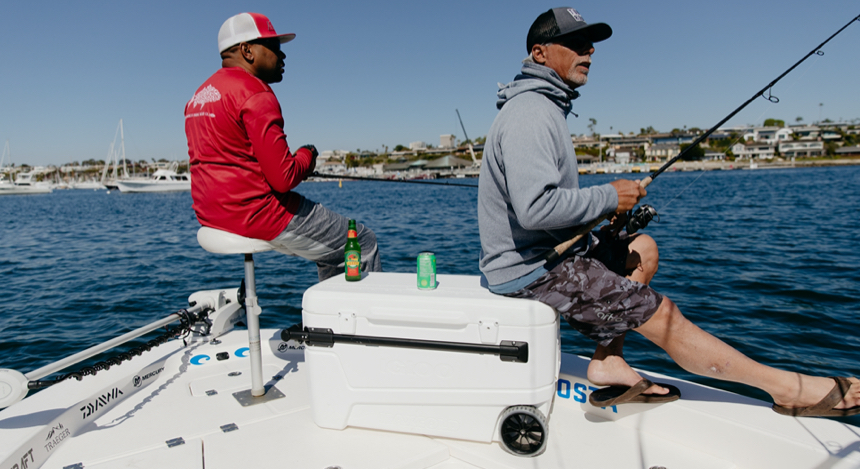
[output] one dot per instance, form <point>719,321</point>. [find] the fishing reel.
<point>640,218</point>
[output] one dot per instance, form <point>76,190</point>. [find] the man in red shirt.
<point>242,170</point>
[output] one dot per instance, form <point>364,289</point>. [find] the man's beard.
<point>576,77</point>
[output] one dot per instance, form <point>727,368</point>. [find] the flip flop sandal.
<point>614,395</point>
<point>825,407</point>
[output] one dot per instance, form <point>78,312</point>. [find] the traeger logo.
<point>102,401</point>
<point>138,380</point>
<point>55,436</point>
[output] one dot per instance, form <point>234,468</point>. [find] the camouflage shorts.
<point>594,299</point>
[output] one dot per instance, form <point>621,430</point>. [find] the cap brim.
<point>283,38</point>
<point>593,32</point>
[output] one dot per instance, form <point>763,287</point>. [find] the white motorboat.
<point>87,184</point>
<point>24,184</point>
<point>187,403</point>
<point>162,180</point>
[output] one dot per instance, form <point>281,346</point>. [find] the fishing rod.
<point>410,181</point>
<point>646,213</point>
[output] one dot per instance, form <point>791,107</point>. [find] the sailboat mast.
<point>3,160</point>
<point>107,164</point>
<point>122,143</point>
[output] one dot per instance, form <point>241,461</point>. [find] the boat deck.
<point>192,400</point>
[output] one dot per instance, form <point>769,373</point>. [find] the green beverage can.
<point>426,271</point>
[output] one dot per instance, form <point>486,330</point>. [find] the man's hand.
<point>313,166</point>
<point>617,223</point>
<point>629,193</point>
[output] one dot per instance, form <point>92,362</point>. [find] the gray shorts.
<point>592,294</point>
<point>319,234</point>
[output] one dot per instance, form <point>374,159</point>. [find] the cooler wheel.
<point>523,431</point>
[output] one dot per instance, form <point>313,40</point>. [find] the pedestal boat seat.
<point>223,242</point>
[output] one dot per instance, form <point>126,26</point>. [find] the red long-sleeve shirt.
<point>242,170</point>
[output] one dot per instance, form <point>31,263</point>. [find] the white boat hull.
<point>192,399</point>
<point>15,189</point>
<point>149,186</point>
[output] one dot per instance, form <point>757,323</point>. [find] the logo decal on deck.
<point>564,388</point>
<point>102,401</point>
<point>198,359</point>
<point>138,380</point>
<point>57,434</point>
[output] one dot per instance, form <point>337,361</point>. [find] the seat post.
<point>223,242</point>
<point>252,315</point>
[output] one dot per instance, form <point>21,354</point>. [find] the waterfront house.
<point>448,162</point>
<point>801,149</point>
<point>661,152</point>
<point>331,167</point>
<point>621,155</point>
<point>753,150</point>
<point>676,138</point>
<point>772,135</point>
<point>714,156</point>
<point>586,141</point>
<point>806,132</point>
<point>848,151</point>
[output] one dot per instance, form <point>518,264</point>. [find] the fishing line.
<point>648,211</point>
<point>409,181</point>
<point>772,99</point>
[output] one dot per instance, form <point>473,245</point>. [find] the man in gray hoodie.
<point>529,201</point>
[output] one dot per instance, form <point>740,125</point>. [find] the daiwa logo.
<point>102,401</point>
<point>575,14</point>
<point>138,380</point>
<point>55,436</point>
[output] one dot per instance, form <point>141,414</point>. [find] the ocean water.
<point>767,260</point>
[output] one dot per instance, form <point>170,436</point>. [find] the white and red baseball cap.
<point>246,27</point>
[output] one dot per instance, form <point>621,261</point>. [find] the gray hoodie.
<point>529,198</point>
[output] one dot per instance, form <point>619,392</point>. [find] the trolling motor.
<point>640,218</point>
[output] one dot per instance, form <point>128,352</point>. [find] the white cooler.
<point>454,394</point>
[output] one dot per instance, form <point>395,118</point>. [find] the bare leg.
<point>607,366</point>
<point>703,354</point>
<point>643,257</point>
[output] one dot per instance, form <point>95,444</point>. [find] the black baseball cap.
<point>564,22</point>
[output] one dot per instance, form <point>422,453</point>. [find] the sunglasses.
<point>576,44</point>
<point>273,43</point>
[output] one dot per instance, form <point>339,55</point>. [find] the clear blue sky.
<point>373,73</point>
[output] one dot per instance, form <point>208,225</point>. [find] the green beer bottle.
<point>352,254</point>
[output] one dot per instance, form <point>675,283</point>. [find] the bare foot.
<point>613,370</point>
<point>809,390</point>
